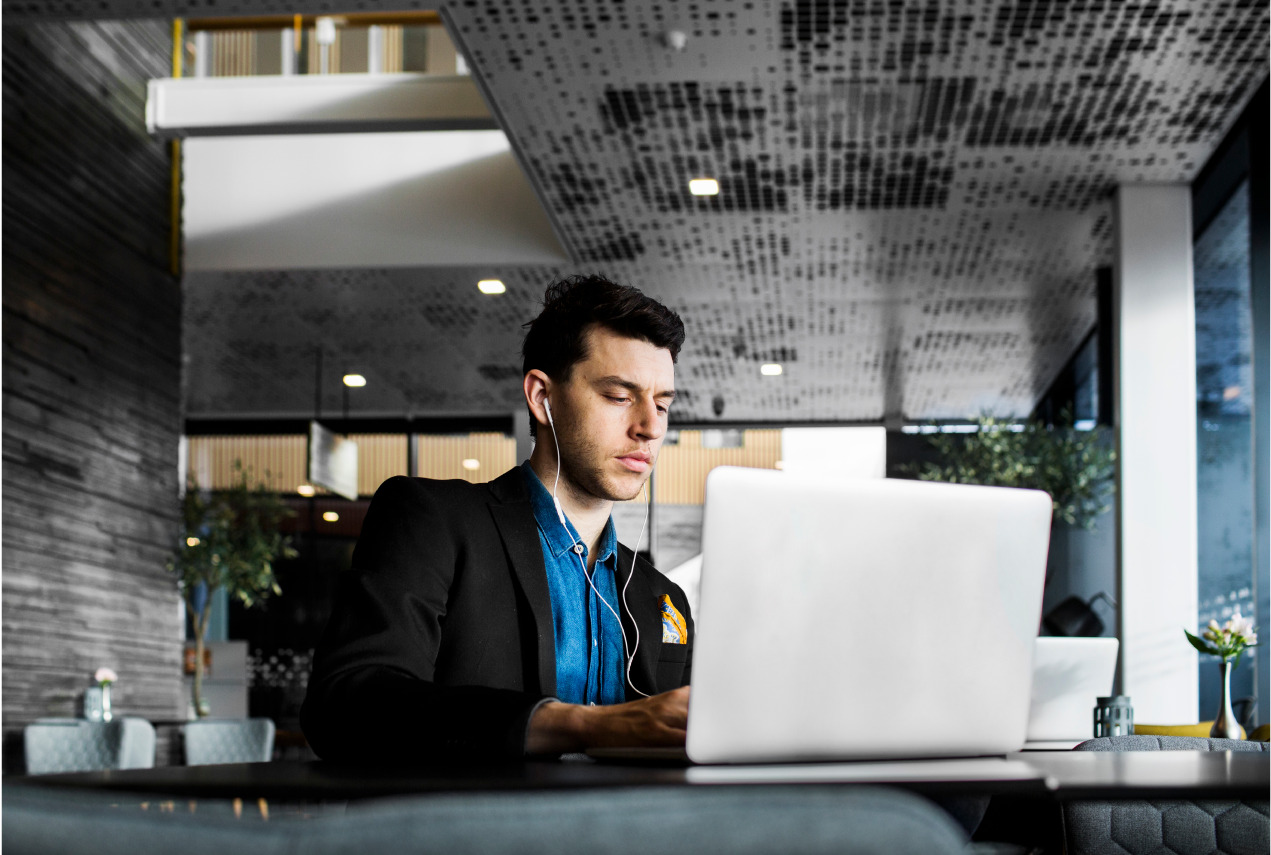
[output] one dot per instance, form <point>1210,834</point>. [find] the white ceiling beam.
<point>227,106</point>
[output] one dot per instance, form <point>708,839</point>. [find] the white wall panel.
<point>853,452</point>
<point>355,200</point>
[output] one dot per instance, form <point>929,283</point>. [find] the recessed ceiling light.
<point>704,187</point>
<point>354,380</point>
<point>192,541</point>
<point>471,463</point>
<point>491,286</point>
<point>1231,393</point>
<point>306,490</point>
<point>331,516</point>
<point>771,369</point>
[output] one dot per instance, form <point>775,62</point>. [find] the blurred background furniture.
<point>246,740</point>
<point>78,745</point>
<point>1175,826</point>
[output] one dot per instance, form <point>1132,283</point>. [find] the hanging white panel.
<point>432,198</point>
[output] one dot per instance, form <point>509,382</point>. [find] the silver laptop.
<point>1069,674</point>
<point>858,619</point>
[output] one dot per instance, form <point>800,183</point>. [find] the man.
<point>504,619</point>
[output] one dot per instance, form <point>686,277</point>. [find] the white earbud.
<point>560,512</point>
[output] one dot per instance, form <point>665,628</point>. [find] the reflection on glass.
<point>1224,386</point>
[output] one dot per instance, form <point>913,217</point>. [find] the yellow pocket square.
<point>674,629</point>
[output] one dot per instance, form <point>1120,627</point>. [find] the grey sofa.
<point>1166,827</point>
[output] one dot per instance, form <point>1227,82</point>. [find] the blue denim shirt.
<point>590,668</point>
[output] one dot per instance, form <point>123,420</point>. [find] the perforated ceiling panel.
<point>914,199</point>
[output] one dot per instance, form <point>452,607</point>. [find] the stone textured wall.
<point>92,364</point>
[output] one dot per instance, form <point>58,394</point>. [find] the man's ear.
<point>537,385</point>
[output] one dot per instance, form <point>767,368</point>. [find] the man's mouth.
<point>637,462</point>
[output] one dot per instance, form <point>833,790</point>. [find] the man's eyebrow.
<point>630,386</point>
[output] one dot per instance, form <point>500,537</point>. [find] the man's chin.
<point>624,489</point>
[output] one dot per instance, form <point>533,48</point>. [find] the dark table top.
<point>1059,775</point>
<point>1154,774</point>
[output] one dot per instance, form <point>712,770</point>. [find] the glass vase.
<point>1225,724</point>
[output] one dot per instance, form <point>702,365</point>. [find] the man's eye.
<point>617,399</point>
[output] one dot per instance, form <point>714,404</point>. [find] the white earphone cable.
<point>583,565</point>
<point>634,553</point>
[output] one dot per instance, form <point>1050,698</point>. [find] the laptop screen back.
<point>848,619</point>
<point>1069,675</point>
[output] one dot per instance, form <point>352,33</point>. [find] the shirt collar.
<point>555,536</point>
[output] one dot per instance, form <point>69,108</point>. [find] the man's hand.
<point>657,721</point>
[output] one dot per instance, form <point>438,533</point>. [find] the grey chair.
<point>239,740</point>
<point>726,820</point>
<point>77,745</point>
<point>1166,826</point>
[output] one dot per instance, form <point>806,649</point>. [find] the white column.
<point>521,429</point>
<point>288,51</point>
<point>374,50</point>
<point>202,54</point>
<point>1156,425</point>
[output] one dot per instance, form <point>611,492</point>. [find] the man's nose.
<point>649,422</point>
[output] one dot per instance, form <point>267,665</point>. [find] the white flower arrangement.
<point>104,677</point>
<point>1228,641</point>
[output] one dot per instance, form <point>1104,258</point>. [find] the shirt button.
<point>594,643</point>
<point>578,548</point>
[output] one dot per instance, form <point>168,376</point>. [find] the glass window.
<point>1224,398</point>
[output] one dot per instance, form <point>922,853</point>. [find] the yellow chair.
<point>1200,729</point>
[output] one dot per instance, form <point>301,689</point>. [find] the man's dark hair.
<point>557,338</point>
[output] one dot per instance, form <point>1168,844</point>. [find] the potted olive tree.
<point>230,539</point>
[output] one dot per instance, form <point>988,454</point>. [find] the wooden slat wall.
<point>681,473</point>
<point>315,52</point>
<point>284,460</point>
<point>443,456</point>
<point>276,460</point>
<point>92,409</point>
<point>379,456</point>
<point>682,468</point>
<point>392,49</point>
<point>234,54</point>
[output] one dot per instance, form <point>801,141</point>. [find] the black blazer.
<point>441,640</point>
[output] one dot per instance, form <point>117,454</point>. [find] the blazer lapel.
<point>515,520</point>
<point>642,610</point>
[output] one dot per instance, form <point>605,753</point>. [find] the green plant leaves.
<point>1201,645</point>
<point>230,539</point>
<point>1211,649</point>
<point>1075,467</point>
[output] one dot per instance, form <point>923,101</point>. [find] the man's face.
<point>611,415</point>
